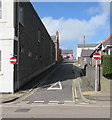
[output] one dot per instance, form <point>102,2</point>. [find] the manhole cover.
<point>22,110</point>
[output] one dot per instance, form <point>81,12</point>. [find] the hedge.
<point>107,65</point>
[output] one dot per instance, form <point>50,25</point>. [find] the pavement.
<point>86,90</point>
<point>5,98</point>
<point>24,91</point>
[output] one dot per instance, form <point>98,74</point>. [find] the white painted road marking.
<point>69,101</point>
<point>53,101</point>
<point>38,101</point>
<point>76,95</point>
<point>53,88</point>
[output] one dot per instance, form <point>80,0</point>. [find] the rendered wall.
<point>6,46</point>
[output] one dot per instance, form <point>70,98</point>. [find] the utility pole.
<point>84,41</point>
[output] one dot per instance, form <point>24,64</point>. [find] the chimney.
<point>57,34</point>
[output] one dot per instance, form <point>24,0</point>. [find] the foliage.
<point>107,65</point>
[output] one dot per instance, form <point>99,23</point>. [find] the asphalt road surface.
<point>56,87</point>
<point>55,96</point>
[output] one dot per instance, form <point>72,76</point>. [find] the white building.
<point>22,35</point>
<point>107,46</point>
<point>80,47</point>
<point>6,45</point>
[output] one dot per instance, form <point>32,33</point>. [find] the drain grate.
<point>22,110</point>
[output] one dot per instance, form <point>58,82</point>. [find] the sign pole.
<point>96,78</point>
<point>96,56</point>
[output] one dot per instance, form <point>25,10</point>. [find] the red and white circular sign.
<point>13,60</point>
<point>96,56</point>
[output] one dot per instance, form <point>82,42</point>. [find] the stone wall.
<point>90,74</point>
<point>104,82</point>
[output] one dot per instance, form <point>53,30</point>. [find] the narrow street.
<point>64,74</point>
<point>55,59</point>
<point>55,96</point>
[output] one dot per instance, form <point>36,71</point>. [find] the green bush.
<point>107,65</point>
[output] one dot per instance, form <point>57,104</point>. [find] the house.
<point>80,47</point>
<point>85,55</point>
<point>55,39</point>
<point>67,54</point>
<point>107,46</point>
<point>23,36</point>
<point>104,48</point>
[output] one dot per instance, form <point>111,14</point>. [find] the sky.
<point>74,20</point>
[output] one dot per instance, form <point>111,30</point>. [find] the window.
<point>40,58</point>
<point>38,35</point>
<point>21,14</point>
<point>43,37</point>
<point>30,54</point>
<point>22,50</point>
<point>36,57</point>
<point>0,9</point>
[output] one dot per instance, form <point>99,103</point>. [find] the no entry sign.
<point>96,56</point>
<point>13,60</point>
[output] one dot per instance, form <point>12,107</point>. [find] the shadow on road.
<point>60,72</point>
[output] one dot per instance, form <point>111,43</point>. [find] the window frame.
<point>39,35</point>
<point>21,14</point>
<point>30,54</point>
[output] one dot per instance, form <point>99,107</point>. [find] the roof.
<point>86,45</point>
<point>107,41</point>
<point>53,38</point>
<point>69,51</point>
<point>86,53</point>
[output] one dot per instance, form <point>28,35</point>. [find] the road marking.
<point>59,88</point>
<point>74,91</point>
<point>53,101</point>
<point>76,97</point>
<point>83,103</point>
<point>89,93</point>
<point>73,94</point>
<point>69,101</point>
<point>38,101</point>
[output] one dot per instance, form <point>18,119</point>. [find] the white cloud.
<point>74,29</point>
<point>93,10</point>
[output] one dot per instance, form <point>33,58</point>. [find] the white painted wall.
<point>79,50</point>
<point>6,46</point>
<point>6,79</point>
<point>7,21</point>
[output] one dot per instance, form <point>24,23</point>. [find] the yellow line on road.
<point>89,93</point>
<point>73,90</point>
<point>23,97</point>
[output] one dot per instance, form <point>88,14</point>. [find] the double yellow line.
<point>73,90</point>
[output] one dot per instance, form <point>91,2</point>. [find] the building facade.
<point>81,47</point>
<point>23,36</point>
<point>55,39</point>
<point>107,46</point>
<point>67,54</point>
